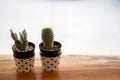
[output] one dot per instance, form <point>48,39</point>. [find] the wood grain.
<point>77,67</point>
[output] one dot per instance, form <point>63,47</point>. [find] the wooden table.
<point>71,68</point>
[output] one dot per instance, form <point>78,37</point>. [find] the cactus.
<point>22,43</point>
<point>47,38</point>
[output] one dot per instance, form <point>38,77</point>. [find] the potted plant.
<point>23,52</point>
<point>50,50</point>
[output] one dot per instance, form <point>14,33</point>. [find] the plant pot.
<point>24,60</point>
<point>50,59</point>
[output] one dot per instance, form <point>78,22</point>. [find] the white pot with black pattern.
<point>24,60</point>
<point>50,59</point>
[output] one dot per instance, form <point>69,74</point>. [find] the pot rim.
<point>24,54</point>
<point>55,43</point>
<point>50,53</point>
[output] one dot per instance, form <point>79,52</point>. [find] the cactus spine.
<point>47,38</point>
<point>22,43</point>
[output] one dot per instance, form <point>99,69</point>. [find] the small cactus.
<point>47,38</point>
<point>22,43</point>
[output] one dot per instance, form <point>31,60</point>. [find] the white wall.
<point>82,26</point>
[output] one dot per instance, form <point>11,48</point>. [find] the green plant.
<point>22,43</point>
<point>47,38</point>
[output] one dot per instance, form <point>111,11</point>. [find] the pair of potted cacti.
<point>24,51</point>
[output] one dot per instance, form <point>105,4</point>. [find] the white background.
<point>83,27</point>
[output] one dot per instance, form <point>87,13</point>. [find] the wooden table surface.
<point>77,67</point>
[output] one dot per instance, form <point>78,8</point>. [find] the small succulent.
<point>47,38</point>
<point>22,43</point>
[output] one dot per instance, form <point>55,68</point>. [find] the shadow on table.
<point>25,76</point>
<point>50,75</point>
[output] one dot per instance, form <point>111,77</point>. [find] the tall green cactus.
<point>22,43</point>
<point>47,38</point>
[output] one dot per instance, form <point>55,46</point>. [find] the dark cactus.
<point>47,38</point>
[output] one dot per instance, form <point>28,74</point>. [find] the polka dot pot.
<point>50,63</point>
<point>24,65</point>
